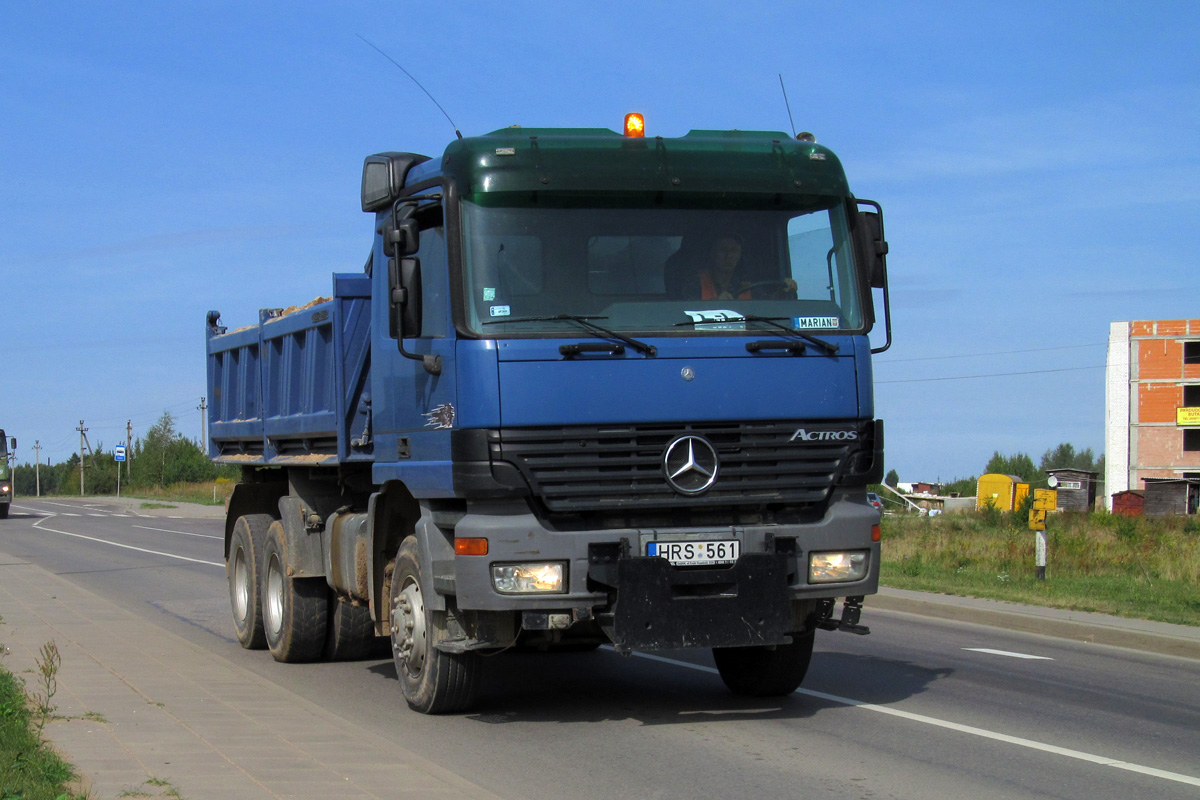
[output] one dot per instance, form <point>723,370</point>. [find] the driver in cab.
<point>721,279</point>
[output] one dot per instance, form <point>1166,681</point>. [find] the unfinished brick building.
<point>1152,408</point>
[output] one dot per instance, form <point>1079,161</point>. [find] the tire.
<point>763,671</point>
<point>294,610</point>
<point>242,570</point>
<point>433,682</point>
<point>4,511</point>
<point>351,631</point>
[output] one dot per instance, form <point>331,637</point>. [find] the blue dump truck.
<point>590,388</point>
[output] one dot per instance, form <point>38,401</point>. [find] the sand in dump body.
<point>285,312</point>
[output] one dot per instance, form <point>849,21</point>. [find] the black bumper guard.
<point>662,607</point>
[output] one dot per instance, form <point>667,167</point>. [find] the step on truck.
<point>589,388</point>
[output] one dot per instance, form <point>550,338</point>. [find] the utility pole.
<point>82,430</point>
<point>203,417</point>
<point>37,465</point>
<point>128,446</point>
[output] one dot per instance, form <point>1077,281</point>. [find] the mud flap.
<point>661,607</point>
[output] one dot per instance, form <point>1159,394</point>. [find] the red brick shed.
<point>1130,503</point>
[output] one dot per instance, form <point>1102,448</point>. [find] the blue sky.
<point>1038,164</point>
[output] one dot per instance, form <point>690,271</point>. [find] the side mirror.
<point>404,309</point>
<point>872,246</point>
<point>871,249</point>
<point>401,238</point>
<point>12,443</point>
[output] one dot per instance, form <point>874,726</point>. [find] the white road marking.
<point>69,514</point>
<point>1007,653</point>
<point>38,525</point>
<point>181,533</point>
<point>97,515</point>
<point>968,729</point>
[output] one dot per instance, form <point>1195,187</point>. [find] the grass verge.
<point>209,493</point>
<point>29,769</point>
<point>1126,566</point>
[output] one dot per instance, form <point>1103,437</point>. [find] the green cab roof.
<point>599,159</point>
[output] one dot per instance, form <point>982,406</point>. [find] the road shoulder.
<point>142,712</point>
<point>1137,634</point>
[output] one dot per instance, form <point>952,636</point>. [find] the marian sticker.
<point>803,323</point>
<point>500,311</point>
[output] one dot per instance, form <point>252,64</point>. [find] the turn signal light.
<point>635,126</point>
<point>876,533</point>
<point>470,547</point>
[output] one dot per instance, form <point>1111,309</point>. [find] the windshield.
<point>655,264</point>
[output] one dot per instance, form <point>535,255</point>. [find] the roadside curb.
<point>1155,637</point>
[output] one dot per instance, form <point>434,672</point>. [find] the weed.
<point>48,663</point>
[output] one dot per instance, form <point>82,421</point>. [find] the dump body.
<point>541,386</point>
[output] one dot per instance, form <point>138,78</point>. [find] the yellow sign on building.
<point>1187,416</point>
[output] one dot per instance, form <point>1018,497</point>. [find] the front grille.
<point>620,468</point>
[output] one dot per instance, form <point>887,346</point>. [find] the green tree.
<point>164,456</point>
<point>892,478</point>
<point>1019,464</point>
<point>1064,456</point>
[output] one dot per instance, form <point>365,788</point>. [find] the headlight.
<point>837,567</point>
<point>530,578</point>
<point>5,488</point>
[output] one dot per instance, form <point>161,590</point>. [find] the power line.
<point>884,362</point>
<point>991,375</point>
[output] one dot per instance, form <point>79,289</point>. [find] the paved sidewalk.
<point>145,713</point>
<point>1138,634</point>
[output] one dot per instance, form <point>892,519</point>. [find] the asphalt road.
<point>921,708</point>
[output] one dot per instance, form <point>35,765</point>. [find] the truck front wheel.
<point>242,569</point>
<point>433,682</point>
<point>295,610</point>
<point>766,671</point>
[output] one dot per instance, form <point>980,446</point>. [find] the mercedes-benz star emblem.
<point>690,464</point>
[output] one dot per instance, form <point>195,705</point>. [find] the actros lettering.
<point>824,436</point>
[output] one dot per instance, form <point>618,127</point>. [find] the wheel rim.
<point>241,585</point>
<point>408,629</point>
<point>273,599</point>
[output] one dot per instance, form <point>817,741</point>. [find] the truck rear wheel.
<point>294,610</point>
<point>242,568</point>
<point>433,682</point>
<point>351,630</point>
<point>766,671</point>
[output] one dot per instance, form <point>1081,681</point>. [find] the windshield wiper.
<point>587,324</point>
<point>828,347</point>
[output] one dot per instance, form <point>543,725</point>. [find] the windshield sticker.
<point>489,294</point>
<point>500,311</point>
<point>717,320</point>
<point>802,323</point>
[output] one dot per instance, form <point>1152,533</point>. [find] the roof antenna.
<point>785,102</point>
<point>418,83</point>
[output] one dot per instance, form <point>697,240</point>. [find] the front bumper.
<point>643,602</point>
